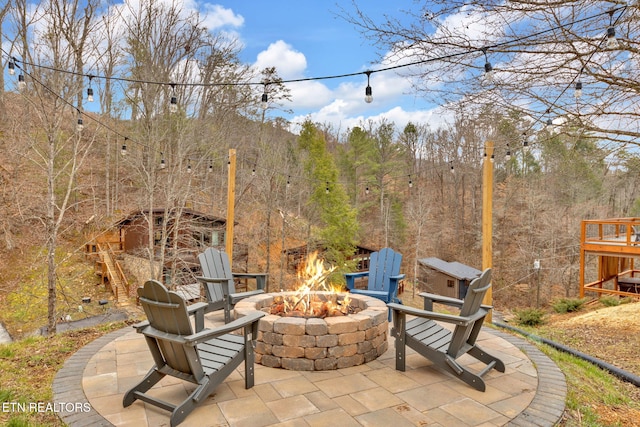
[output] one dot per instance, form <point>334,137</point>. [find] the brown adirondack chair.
<point>440,345</point>
<point>219,282</point>
<point>204,357</point>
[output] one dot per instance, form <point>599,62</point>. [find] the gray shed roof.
<point>454,269</point>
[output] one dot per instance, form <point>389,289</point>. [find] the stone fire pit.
<point>319,344</point>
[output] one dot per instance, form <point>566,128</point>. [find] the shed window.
<point>450,283</point>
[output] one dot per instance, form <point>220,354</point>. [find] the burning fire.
<point>305,303</point>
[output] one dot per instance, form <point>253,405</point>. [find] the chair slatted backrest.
<point>167,312</point>
<point>215,264</point>
<point>466,335</point>
<point>383,264</point>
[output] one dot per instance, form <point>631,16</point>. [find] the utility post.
<point>231,200</point>
<point>487,219</point>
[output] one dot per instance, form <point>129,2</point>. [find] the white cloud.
<point>289,63</point>
<point>217,16</point>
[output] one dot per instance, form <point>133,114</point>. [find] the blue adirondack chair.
<point>383,276</point>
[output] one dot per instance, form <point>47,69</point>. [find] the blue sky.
<point>305,39</point>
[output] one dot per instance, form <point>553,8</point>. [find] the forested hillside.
<point>70,166</point>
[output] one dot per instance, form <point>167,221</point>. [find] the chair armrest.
<point>443,317</point>
<point>350,278</point>
<point>398,277</point>
<point>238,296</point>
<point>261,278</point>
<point>429,299</point>
<point>197,310</point>
<point>224,281</point>
<point>207,334</point>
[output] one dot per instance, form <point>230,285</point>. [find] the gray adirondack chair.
<point>382,278</point>
<point>204,357</point>
<point>440,345</point>
<point>219,282</point>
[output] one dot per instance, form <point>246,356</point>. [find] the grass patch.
<point>28,366</point>
<point>595,398</point>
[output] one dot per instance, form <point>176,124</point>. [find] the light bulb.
<point>488,71</point>
<point>12,68</point>
<point>80,125</point>
<point>173,105</point>
<point>368,97</point>
<point>21,83</point>
<point>123,150</point>
<point>578,91</point>
<point>264,103</point>
<point>163,164</point>
<point>612,41</point>
<point>90,94</point>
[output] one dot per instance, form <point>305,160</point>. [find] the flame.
<point>312,277</point>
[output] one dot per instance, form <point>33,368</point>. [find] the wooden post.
<point>231,200</point>
<point>487,219</point>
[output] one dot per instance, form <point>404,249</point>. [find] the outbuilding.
<point>450,279</point>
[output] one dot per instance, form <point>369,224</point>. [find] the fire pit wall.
<point>314,344</point>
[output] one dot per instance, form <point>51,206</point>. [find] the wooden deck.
<point>616,243</point>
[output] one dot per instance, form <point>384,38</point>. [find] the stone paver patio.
<point>531,392</point>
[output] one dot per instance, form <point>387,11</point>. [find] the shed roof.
<point>454,269</point>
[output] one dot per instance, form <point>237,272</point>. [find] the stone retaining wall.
<point>302,344</point>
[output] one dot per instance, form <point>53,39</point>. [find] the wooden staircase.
<point>112,272</point>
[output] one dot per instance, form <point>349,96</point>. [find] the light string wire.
<point>483,49</point>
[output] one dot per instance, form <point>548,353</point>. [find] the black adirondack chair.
<point>440,345</point>
<point>219,282</point>
<point>204,357</point>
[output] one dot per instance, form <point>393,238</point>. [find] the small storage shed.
<point>450,279</point>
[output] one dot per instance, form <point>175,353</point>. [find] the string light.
<point>123,149</point>
<point>12,67</point>
<point>189,166</point>
<point>90,91</point>
<point>163,164</point>
<point>578,92</point>
<point>525,142</point>
<point>488,68</point>
<point>326,190</point>
<point>366,190</point>
<point>368,93</point>
<point>264,102</point>
<point>173,103</point>
<point>210,168</point>
<point>612,41</point>
<point>507,155</point>
<point>79,125</point>
<point>410,182</point>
